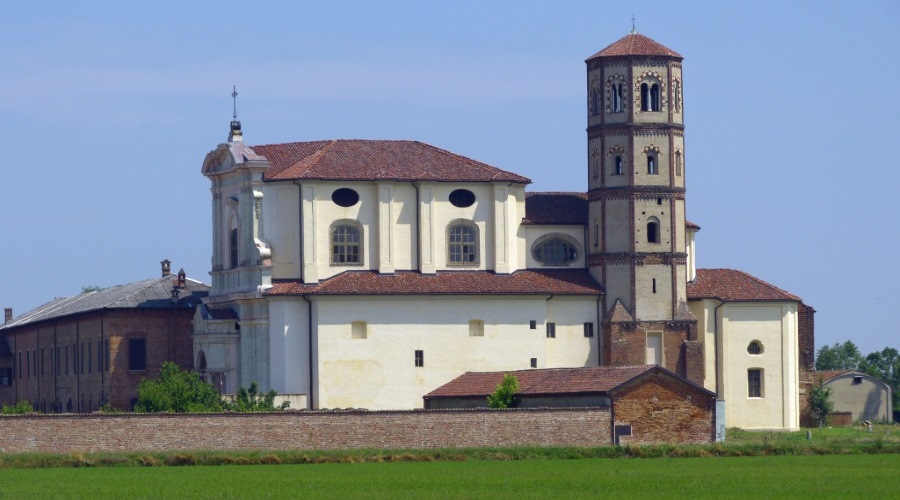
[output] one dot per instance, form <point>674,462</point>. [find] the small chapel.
<point>368,273</point>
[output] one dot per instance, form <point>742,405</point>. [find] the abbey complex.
<point>368,273</point>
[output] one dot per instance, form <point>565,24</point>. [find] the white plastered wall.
<point>378,372</point>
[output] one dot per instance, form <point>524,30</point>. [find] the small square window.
<point>857,379</point>
<point>588,329</point>
<point>534,362</point>
<point>551,330</point>
<point>420,358</point>
<point>532,324</point>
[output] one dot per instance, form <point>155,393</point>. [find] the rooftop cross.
<point>633,29</point>
<point>234,95</point>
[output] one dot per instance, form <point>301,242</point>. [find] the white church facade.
<point>366,273</point>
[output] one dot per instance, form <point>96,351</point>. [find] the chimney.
<point>166,267</point>
<point>181,278</point>
<point>7,315</point>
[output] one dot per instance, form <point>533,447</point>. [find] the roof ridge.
<point>151,281</point>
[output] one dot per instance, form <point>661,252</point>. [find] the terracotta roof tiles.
<point>636,44</point>
<point>367,160</point>
<point>533,382</point>
<point>730,285</point>
<point>525,282</point>
<point>556,208</point>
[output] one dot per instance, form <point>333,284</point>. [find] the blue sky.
<point>107,110</point>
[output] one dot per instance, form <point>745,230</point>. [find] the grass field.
<point>854,476</point>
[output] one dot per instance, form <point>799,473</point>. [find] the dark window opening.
<point>532,324</point>
<point>617,100</point>
<point>857,379</point>
<point>551,330</point>
<point>754,383</point>
<point>651,165</point>
<point>345,197</point>
<point>534,362</point>
<point>420,358</point>
<point>137,354</point>
<point>654,98</point>
<point>462,198</point>
<point>555,251</point>
<point>659,201</point>
<point>588,329</point>
<point>619,168</point>
<point>654,285</point>
<point>755,347</point>
<point>653,232</point>
<point>233,248</point>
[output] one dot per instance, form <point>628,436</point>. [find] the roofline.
<point>526,294</point>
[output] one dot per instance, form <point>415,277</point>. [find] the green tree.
<point>504,395</point>
<point>177,391</point>
<point>22,406</point>
<point>821,403</point>
<point>844,356</point>
<point>250,400</point>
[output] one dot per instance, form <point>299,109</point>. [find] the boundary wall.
<point>305,430</point>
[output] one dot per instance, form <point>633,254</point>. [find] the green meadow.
<point>825,476</point>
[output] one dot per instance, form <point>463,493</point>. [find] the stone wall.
<point>305,430</point>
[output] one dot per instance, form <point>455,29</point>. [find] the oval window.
<point>345,197</point>
<point>462,198</point>
<point>555,251</point>
<point>755,347</point>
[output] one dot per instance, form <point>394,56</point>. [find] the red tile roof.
<point>556,208</point>
<point>636,44</point>
<point>556,282</point>
<point>366,160</point>
<point>827,375</point>
<point>690,225</point>
<point>533,382</point>
<point>731,285</point>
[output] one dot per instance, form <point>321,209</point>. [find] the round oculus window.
<point>755,347</point>
<point>462,198</point>
<point>345,197</point>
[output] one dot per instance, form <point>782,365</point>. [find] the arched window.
<point>616,96</point>
<point>677,96</point>
<point>595,102</point>
<point>678,164</point>
<point>651,165</point>
<point>346,243</point>
<point>653,230</point>
<point>555,250</point>
<point>619,170</point>
<point>645,97</point>
<point>233,248</point>
<point>462,243</point>
<point>654,98</point>
<point>650,97</point>
<point>755,347</point>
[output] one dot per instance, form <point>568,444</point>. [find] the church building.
<point>367,273</point>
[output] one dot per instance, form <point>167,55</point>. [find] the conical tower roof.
<point>636,44</point>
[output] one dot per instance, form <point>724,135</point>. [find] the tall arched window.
<point>654,97</point>
<point>346,243</point>
<point>616,98</point>
<point>645,97</point>
<point>653,230</point>
<point>678,163</point>
<point>462,243</point>
<point>620,170</point>
<point>650,97</point>
<point>651,165</point>
<point>233,248</point>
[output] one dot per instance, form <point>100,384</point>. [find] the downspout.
<point>418,227</point>
<point>102,356</point>
<point>309,325</point>
<point>78,367</point>
<point>599,334</point>
<point>716,343</point>
<point>300,223</point>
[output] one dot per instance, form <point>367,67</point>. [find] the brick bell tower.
<point>636,225</point>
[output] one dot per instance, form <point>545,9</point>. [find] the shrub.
<point>504,395</point>
<point>19,408</point>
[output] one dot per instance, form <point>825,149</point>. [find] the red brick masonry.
<point>305,430</point>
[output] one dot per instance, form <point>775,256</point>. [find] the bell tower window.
<point>651,165</point>
<point>616,97</point>
<point>650,97</point>
<point>233,248</point>
<point>619,169</point>
<point>653,230</point>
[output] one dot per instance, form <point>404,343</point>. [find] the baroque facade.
<point>367,273</point>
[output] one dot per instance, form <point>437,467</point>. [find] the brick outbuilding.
<point>648,403</point>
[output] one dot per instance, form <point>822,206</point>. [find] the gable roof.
<point>549,381</point>
<point>366,160</point>
<point>155,293</point>
<point>636,44</point>
<point>731,285</point>
<point>563,208</point>
<point>524,282</point>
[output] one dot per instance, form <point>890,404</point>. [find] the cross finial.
<point>234,95</point>
<point>633,29</point>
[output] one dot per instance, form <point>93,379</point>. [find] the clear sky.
<point>107,111</point>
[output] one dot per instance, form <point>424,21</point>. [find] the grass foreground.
<point>832,476</point>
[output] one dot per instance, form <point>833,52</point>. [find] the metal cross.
<point>633,30</point>
<point>234,95</point>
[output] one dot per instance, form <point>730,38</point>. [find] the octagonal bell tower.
<point>636,178</point>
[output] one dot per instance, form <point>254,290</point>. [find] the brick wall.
<point>627,345</point>
<point>305,430</point>
<point>806,361</point>
<point>677,412</point>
